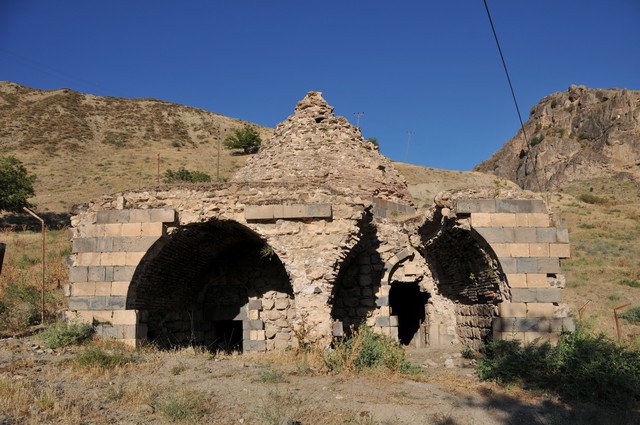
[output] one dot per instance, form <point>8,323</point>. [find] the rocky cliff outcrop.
<point>577,134</point>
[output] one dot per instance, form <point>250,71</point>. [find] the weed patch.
<point>183,406</point>
<point>62,334</point>
<point>368,350</point>
<point>582,367</point>
<point>592,199</point>
<point>104,359</point>
<point>629,282</point>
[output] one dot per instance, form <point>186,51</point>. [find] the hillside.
<point>81,146</point>
<point>573,135</point>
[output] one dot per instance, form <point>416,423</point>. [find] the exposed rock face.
<point>577,134</point>
<point>317,147</point>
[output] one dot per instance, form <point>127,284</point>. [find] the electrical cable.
<point>513,94</point>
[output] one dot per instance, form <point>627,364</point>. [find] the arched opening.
<point>408,303</point>
<point>354,290</point>
<point>468,273</point>
<point>216,285</point>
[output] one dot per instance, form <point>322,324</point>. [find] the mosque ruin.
<point>315,236</point>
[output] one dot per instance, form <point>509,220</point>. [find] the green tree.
<point>245,138</point>
<point>16,184</point>
<point>184,175</point>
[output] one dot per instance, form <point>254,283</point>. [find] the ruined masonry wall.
<point>529,249</point>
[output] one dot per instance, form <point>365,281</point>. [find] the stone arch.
<point>216,284</point>
<point>468,276</point>
<point>359,278</point>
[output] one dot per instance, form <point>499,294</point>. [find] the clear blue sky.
<point>422,66</point>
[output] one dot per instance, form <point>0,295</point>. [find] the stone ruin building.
<point>315,236</point>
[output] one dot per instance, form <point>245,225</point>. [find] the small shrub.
<point>632,315</point>
<point>629,282</point>
<point>586,226</point>
<point>615,296</point>
<point>554,103</point>
<point>468,352</point>
<point>592,199</point>
<point>368,350</point>
<point>178,369</point>
<point>537,140</point>
<point>270,376</point>
<point>582,367</point>
<point>97,357</point>
<point>62,334</point>
<point>183,406</point>
<point>184,175</point>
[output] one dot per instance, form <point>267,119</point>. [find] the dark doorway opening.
<point>408,302</point>
<point>228,335</point>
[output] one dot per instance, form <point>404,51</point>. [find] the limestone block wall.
<point>529,248</point>
<point>105,253</point>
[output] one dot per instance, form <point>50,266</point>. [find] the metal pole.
<point>406,155</point>
<point>615,316</point>
<point>219,142</point>
<point>358,114</point>
<point>43,268</point>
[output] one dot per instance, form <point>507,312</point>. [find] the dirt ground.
<point>39,386</point>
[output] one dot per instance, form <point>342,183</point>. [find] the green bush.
<point>582,367</point>
<point>62,334</point>
<point>368,350</point>
<point>632,315</point>
<point>184,175</point>
<point>592,199</point>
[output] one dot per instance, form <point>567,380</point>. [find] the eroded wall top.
<point>316,147</point>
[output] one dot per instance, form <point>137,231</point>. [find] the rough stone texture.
<point>317,235</point>
<point>577,134</point>
<point>316,147</point>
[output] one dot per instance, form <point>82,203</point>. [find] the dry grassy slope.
<point>605,239</point>
<point>605,243</point>
<point>81,146</point>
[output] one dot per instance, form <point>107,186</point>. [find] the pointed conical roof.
<point>313,146</point>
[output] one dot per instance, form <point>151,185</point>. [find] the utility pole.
<point>406,155</point>
<point>219,141</point>
<point>358,114</point>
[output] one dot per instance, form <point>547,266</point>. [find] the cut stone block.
<point>539,249</point>
<point>78,274</point>
<point>481,220</point>
<point>536,295</point>
<point>525,235</point>
<point>112,216</point>
<point>520,206</point>
<point>258,212</point>
<point>560,250</point>
<point>517,280</point>
<point>508,309</point>
<point>503,220</point>
<point>538,265</point>
<point>466,206</point>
